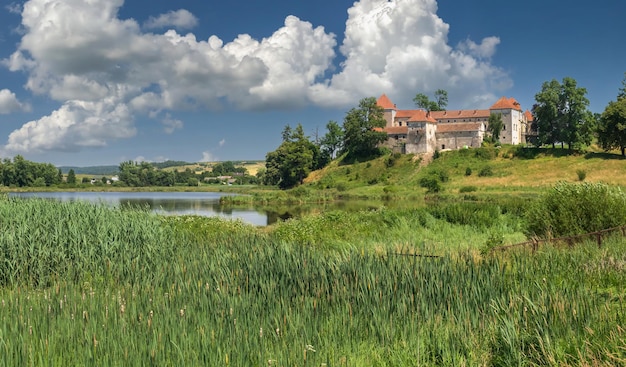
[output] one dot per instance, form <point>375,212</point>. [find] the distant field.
<point>251,166</point>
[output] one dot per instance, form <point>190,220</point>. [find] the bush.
<point>468,171</point>
<point>468,189</point>
<point>441,174</point>
<point>431,184</point>
<point>575,208</point>
<point>485,172</point>
<point>582,174</point>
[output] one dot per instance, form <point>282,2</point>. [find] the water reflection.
<point>167,203</point>
<point>208,204</point>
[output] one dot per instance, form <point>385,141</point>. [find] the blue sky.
<point>104,81</point>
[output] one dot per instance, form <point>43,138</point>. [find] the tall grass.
<point>227,294</point>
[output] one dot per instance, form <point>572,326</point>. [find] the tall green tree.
<point>612,126</point>
<point>333,139</point>
<point>292,161</point>
<point>71,177</point>
<point>622,90</point>
<point>561,113</point>
<point>439,104</point>
<point>360,139</point>
<point>495,126</point>
<point>441,98</point>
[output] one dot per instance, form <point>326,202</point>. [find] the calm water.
<point>168,203</point>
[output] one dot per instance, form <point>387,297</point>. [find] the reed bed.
<point>224,294</point>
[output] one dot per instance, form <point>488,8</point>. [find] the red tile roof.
<point>460,114</point>
<point>506,104</point>
<point>529,116</point>
<point>385,103</point>
<point>451,127</point>
<point>415,116</point>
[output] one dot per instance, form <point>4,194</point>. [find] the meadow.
<point>83,284</point>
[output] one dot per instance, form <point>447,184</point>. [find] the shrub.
<point>485,172</point>
<point>582,174</point>
<point>436,154</point>
<point>431,184</point>
<point>575,208</point>
<point>485,153</point>
<point>441,174</point>
<point>468,189</point>
<point>468,171</point>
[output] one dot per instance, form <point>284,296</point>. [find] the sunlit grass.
<point>329,289</point>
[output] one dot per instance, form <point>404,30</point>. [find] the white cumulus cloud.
<point>179,19</point>
<point>400,47</point>
<point>9,103</point>
<point>104,71</point>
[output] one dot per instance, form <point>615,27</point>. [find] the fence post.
<point>599,235</point>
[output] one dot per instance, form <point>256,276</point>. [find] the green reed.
<point>223,293</point>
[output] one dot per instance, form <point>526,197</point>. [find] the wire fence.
<point>569,240</point>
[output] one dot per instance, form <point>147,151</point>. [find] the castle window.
<point>443,146</point>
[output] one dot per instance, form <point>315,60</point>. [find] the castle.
<point>420,131</point>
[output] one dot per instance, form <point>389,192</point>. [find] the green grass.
<point>329,289</point>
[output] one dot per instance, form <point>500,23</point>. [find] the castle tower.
<point>513,120</point>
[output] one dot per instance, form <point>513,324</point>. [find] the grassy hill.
<point>512,170</point>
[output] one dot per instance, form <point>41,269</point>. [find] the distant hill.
<point>93,170</point>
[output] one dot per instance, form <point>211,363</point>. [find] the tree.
<point>360,139</point>
<point>495,126</point>
<point>441,97</point>
<point>622,90</point>
<point>332,141</point>
<point>561,113</point>
<point>294,159</point>
<point>612,126</point>
<point>439,104</point>
<point>71,177</point>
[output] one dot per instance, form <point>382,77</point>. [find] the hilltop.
<point>515,170</point>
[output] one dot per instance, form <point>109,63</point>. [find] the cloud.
<point>105,71</point>
<point>179,19</point>
<point>208,157</point>
<point>486,49</point>
<point>401,48</point>
<point>170,124</point>
<point>74,126</point>
<point>9,103</point>
<point>14,8</point>
<point>222,143</point>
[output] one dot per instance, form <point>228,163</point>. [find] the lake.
<point>208,204</point>
<point>167,203</point>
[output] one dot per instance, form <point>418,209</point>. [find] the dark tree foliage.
<point>612,126</point>
<point>561,114</point>
<point>294,159</point>
<point>71,177</point>
<point>144,174</point>
<point>227,168</point>
<point>439,104</point>
<point>21,172</point>
<point>361,139</point>
<point>333,140</point>
<point>495,126</point>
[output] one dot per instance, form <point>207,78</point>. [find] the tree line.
<point>298,155</point>
<point>561,116</point>
<point>20,172</point>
